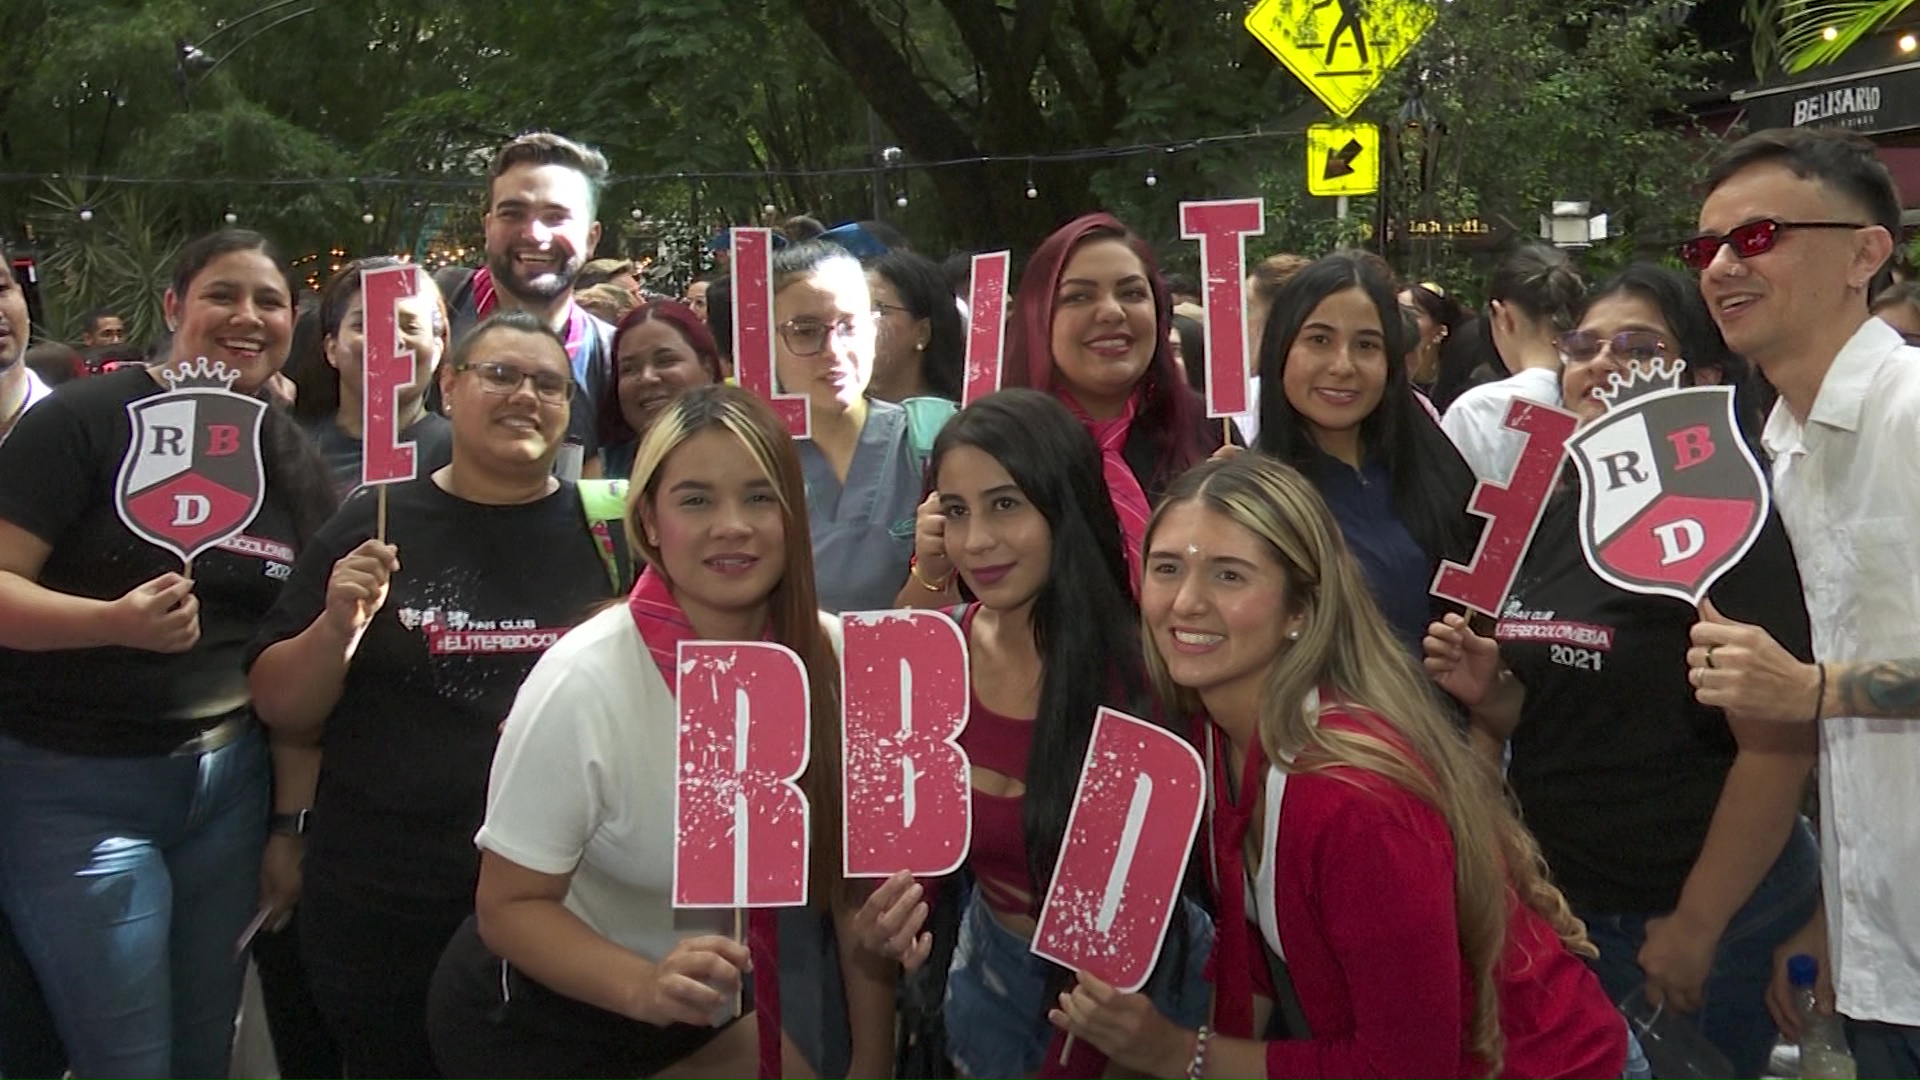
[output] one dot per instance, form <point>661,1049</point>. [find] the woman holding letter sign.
<point>133,777</point>
<point>1351,832</point>
<point>1033,535</point>
<point>1090,325</point>
<point>1674,831</point>
<point>332,379</point>
<point>576,963</point>
<point>401,656</point>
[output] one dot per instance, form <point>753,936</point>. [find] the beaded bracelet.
<point>1199,1063</point>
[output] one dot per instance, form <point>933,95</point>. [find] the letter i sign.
<point>192,477</point>
<point>1671,496</point>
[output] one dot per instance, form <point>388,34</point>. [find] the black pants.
<point>490,1020</point>
<point>29,1042</point>
<point>369,958</point>
<point>301,1043</point>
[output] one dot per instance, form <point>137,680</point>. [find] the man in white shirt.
<point>1795,227</point>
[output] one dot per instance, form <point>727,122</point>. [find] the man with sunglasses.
<point>1796,229</point>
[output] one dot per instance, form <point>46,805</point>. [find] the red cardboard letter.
<point>909,801</point>
<point>986,324</point>
<point>742,744</point>
<point>1118,877</point>
<point>753,327</point>
<point>1222,228</point>
<point>387,368</point>
<point>1512,512</point>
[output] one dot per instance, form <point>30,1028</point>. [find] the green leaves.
<point>1802,34</point>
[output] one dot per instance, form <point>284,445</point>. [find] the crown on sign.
<point>1642,379</point>
<point>200,374</point>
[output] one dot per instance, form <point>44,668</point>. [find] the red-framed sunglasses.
<point>1753,238</point>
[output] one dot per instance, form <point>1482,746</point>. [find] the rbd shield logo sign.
<point>1670,496</point>
<point>192,477</point>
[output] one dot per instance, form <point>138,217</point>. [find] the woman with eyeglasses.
<point>862,481</point>
<point>1673,829</point>
<point>387,668</point>
<point>920,349</point>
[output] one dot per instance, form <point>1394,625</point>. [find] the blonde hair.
<point>792,606</point>
<point>1347,651</point>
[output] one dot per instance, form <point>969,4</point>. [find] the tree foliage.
<point>389,108</point>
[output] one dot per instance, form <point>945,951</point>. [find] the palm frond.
<point>1803,34</point>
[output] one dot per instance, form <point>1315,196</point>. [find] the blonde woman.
<point>1351,833</point>
<point>576,963</point>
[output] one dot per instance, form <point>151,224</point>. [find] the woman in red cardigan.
<point>1381,911</point>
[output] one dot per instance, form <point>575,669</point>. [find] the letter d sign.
<point>191,510</point>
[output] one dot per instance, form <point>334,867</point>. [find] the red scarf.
<point>1129,500</point>
<point>1227,824</point>
<point>486,298</point>
<point>663,626</point>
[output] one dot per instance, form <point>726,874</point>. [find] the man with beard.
<point>543,191</point>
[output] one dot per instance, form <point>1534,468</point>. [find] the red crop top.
<point>998,857</point>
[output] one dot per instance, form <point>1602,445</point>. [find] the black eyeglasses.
<point>806,337</point>
<point>1753,238</point>
<point>504,379</point>
<point>1581,346</point>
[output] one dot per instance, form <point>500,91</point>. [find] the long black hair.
<point>1085,623</point>
<point>1431,483</point>
<point>295,474</point>
<point>924,293</point>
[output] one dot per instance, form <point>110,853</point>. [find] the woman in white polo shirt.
<point>576,963</point>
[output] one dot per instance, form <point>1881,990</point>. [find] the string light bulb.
<point>900,201</point>
<point>1829,33</point>
<point>1153,178</point>
<point>1032,192</point>
<point>636,214</point>
<point>86,213</point>
<point>230,217</point>
<point>366,218</point>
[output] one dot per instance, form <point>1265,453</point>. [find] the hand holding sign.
<point>358,587</point>
<point>889,923</point>
<point>1742,669</point>
<point>1126,1027</point>
<point>694,984</point>
<point>160,616</point>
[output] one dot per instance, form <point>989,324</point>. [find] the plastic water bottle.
<point>1823,1046</point>
<point>1672,1043</point>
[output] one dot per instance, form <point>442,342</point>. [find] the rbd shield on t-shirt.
<point>1671,497</point>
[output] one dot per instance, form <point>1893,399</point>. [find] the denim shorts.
<point>997,1000</point>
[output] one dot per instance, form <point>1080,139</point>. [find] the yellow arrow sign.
<point>1343,159</point>
<point>1341,49</point>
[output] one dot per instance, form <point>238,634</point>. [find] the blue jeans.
<point>997,1001</point>
<point>1884,1049</point>
<point>129,881</point>
<point>1733,1013</point>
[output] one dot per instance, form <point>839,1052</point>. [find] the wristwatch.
<point>294,824</point>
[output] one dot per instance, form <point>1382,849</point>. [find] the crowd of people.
<point>411,753</point>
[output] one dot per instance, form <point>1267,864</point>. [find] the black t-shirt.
<point>482,591</point>
<point>432,436</point>
<point>1617,768</point>
<point>57,477</point>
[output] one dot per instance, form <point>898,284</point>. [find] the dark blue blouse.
<point>1397,569</point>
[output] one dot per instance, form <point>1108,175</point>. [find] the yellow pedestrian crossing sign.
<point>1341,49</point>
<point>1343,159</point>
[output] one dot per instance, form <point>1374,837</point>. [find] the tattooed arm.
<point>1873,688</point>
